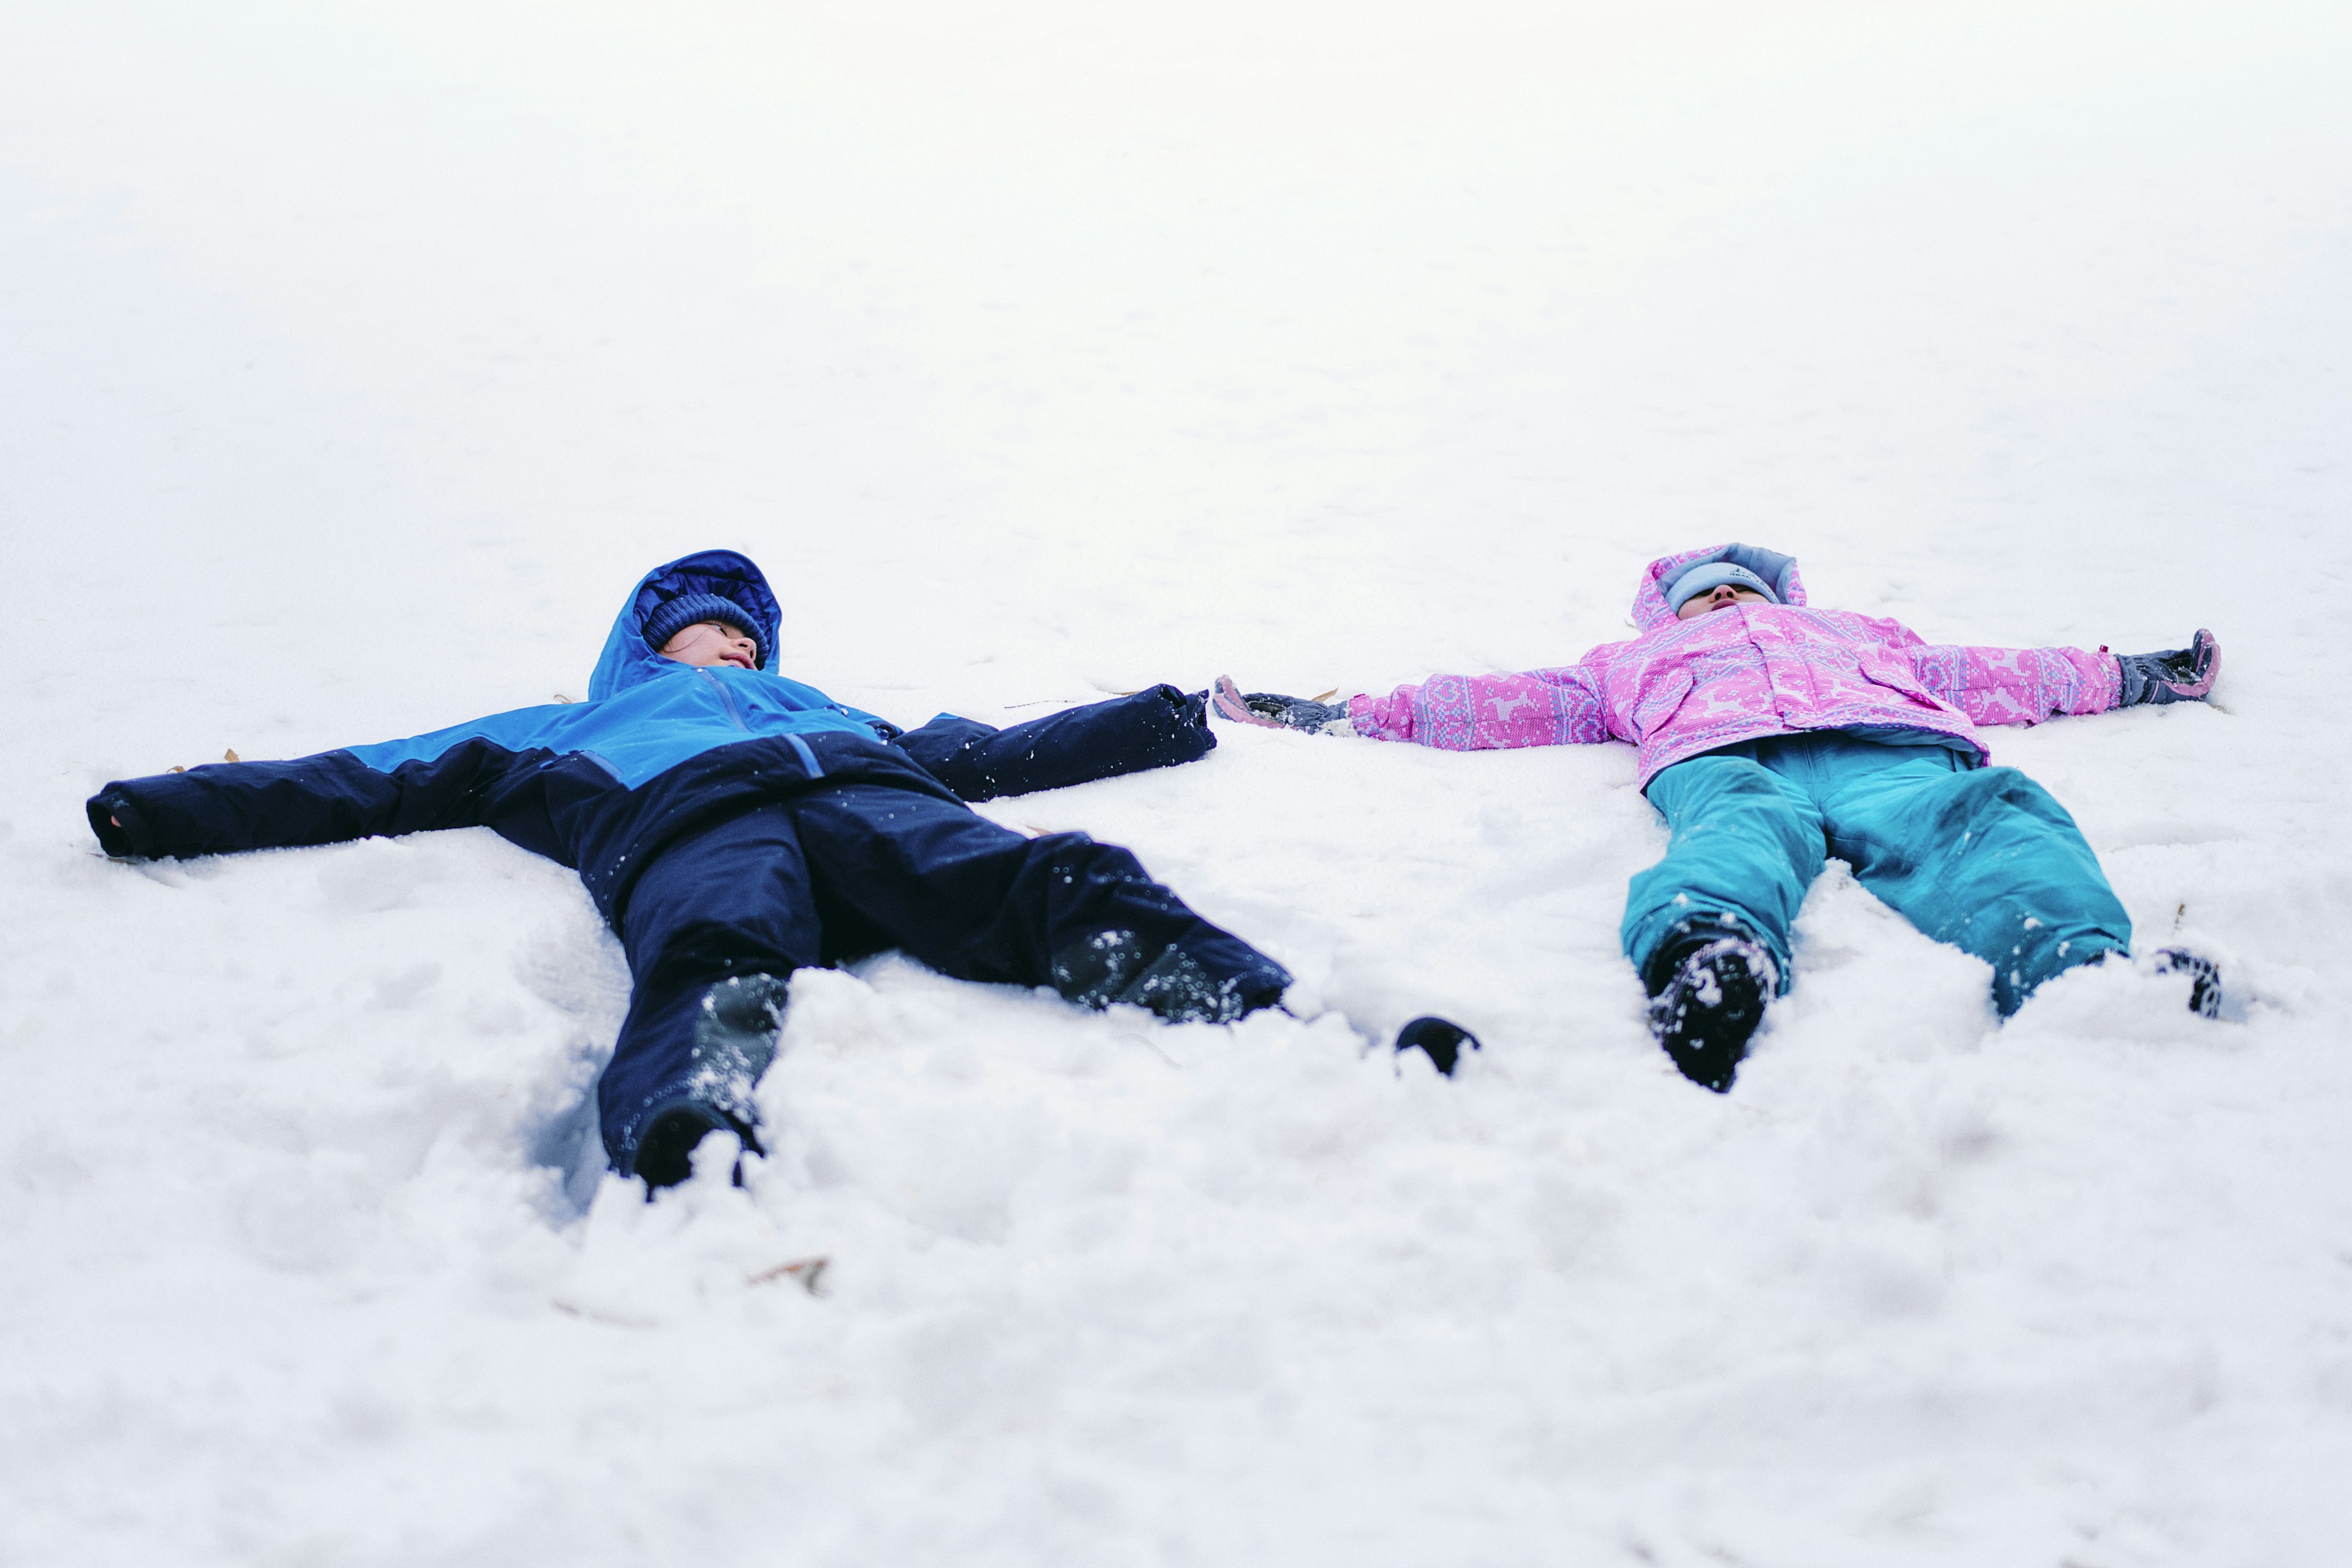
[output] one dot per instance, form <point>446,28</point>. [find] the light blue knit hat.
<point>1708,575</point>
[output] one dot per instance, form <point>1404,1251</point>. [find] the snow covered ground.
<point>354,360</point>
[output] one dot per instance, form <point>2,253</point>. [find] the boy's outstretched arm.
<point>323,799</point>
<point>2027,685</point>
<point>1559,707</point>
<point>1154,728</point>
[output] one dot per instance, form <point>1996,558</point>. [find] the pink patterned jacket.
<point>1687,686</point>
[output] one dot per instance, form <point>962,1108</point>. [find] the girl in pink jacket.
<point>1773,734</point>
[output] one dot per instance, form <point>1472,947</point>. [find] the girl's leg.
<point>1747,844</point>
<point>1982,859</point>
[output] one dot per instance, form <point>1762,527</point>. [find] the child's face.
<point>1720,598</point>
<point>709,643</point>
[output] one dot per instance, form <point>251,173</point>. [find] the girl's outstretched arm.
<point>2019,685</point>
<point>1451,713</point>
<point>1559,707</point>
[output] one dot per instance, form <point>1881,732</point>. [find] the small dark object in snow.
<point>808,1271</point>
<point>1711,1001</point>
<point>1443,1039</point>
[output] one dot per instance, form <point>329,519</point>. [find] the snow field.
<point>355,364</point>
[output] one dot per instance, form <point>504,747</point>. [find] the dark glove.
<point>2177,675</point>
<point>1276,711</point>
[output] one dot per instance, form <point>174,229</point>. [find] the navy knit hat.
<point>666,621</point>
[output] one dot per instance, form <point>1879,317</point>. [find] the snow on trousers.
<point>856,868</point>
<point>1983,858</point>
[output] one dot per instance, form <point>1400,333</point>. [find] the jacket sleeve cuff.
<point>108,807</point>
<point>1382,719</point>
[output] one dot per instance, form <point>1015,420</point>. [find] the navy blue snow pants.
<point>1979,857</point>
<point>854,868</point>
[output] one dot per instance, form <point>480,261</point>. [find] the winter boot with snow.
<point>665,1149</point>
<point>735,1033</point>
<point>1107,970</point>
<point>2204,978</point>
<point>1706,996</point>
<point>1443,1039</point>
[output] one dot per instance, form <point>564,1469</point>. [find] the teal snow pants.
<point>1979,857</point>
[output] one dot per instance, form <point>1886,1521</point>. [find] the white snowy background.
<point>355,359</point>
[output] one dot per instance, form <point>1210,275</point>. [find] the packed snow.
<point>356,359</point>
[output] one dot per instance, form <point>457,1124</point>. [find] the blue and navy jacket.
<point>659,751</point>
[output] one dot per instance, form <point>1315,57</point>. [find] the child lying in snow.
<point>1772,734</point>
<point>734,826</point>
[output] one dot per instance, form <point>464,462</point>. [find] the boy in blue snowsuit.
<point>734,825</point>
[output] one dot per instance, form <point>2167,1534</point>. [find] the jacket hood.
<point>629,660</point>
<point>1650,609</point>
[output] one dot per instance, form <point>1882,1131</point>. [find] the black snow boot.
<point>1443,1039</point>
<point>2204,978</point>
<point>735,1033</point>
<point>1107,970</point>
<point>1706,996</point>
<point>665,1150</point>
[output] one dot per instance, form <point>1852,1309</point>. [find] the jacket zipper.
<point>727,698</point>
<point>807,754</point>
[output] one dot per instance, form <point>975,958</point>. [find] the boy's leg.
<point>1982,859</point>
<point>733,900</point>
<point>978,902</point>
<point>1747,844</point>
